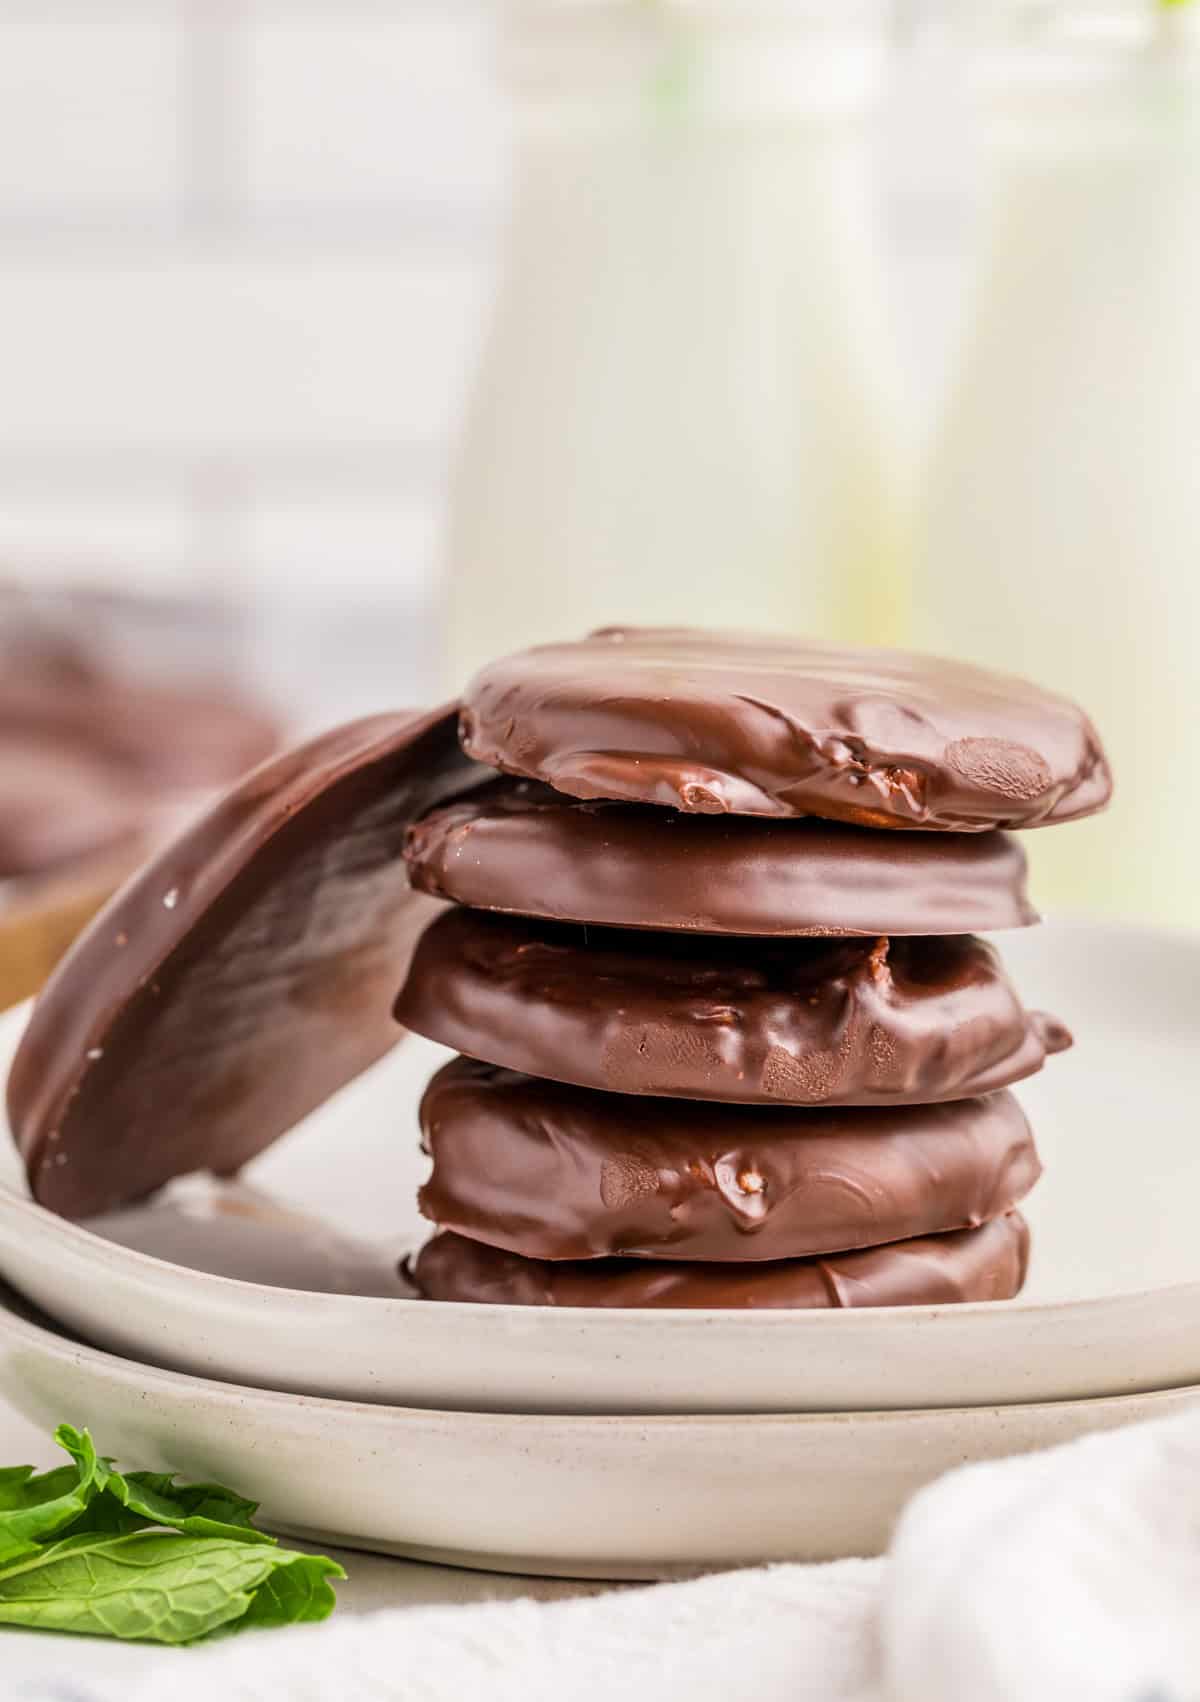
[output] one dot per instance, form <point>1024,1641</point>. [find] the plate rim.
<point>97,1250</point>
<point>61,1347</point>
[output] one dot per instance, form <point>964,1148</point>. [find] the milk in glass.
<point>686,409</point>
<point>1062,534</point>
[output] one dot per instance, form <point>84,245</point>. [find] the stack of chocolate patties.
<point>728,1034</point>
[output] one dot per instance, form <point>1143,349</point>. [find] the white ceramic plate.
<point>1112,1306</point>
<point>582,1497</point>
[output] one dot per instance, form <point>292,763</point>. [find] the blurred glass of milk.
<point>685,410</point>
<point>1062,535</point>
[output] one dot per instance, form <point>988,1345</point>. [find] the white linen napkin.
<point>1069,1576</point>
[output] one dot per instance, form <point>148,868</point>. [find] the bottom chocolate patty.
<point>934,1270</point>
<point>558,1172</point>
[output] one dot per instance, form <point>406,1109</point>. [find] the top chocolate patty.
<point>717,722</point>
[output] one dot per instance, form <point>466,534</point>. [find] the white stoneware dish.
<point>288,1278</point>
<point>581,1497</point>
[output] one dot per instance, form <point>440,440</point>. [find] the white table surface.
<point>373,1581</point>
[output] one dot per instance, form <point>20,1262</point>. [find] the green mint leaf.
<point>164,1587</point>
<point>200,1509</point>
<point>298,1594</point>
<point>34,1508</point>
<point>130,1502</point>
<point>83,1548</point>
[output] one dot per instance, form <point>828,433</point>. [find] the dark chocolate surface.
<point>717,722</point>
<point>241,978</point>
<point>519,847</point>
<point>797,1022</point>
<point>558,1172</point>
<point>937,1270</point>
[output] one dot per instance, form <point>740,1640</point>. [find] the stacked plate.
<point>261,1330</point>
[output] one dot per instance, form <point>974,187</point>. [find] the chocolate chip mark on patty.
<point>1001,766</point>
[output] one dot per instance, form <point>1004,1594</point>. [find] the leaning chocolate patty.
<point>519,847</point>
<point>241,978</point>
<point>715,722</point>
<point>935,1270</point>
<point>558,1172</point>
<point>801,1022</point>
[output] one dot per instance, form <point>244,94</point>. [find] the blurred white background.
<point>246,249</point>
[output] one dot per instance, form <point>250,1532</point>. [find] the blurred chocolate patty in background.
<point>117,715</point>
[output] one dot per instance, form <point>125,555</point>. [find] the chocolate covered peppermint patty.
<point>557,1172</point>
<point>244,975</point>
<point>935,1270</point>
<point>522,848</point>
<point>60,804</point>
<point>714,722</point>
<point>797,1022</point>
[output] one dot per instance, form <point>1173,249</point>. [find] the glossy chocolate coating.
<point>241,978</point>
<point>558,1172</point>
<point>519,847</point>
<point>717,722</point>
<point>797,1022</point>
<point>935,1270</point>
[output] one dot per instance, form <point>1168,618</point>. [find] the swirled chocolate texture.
<point>718,722</point>
<point>519,847</point>
<point>801,1022</point>
<point>934,1270</point>
<point>558,1172</point>
<point>241,978</point>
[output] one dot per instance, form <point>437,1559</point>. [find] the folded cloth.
<point>1072,1575</point>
